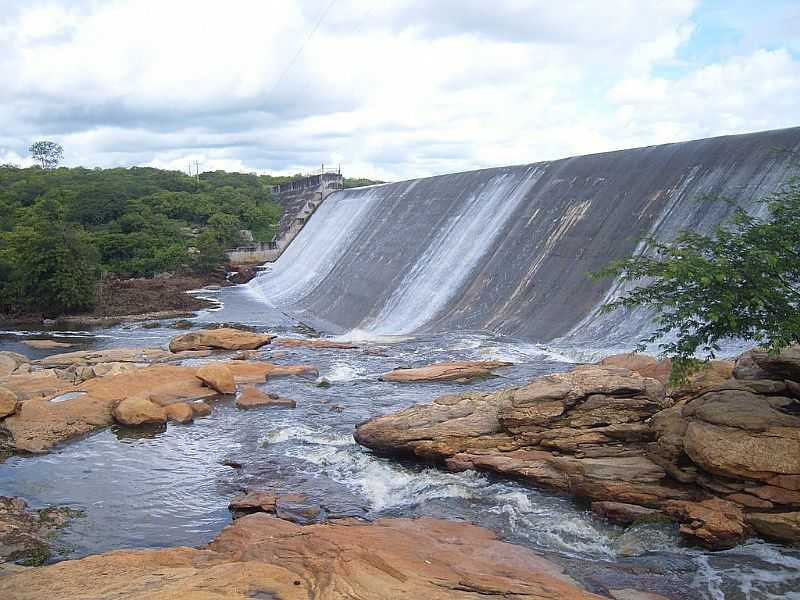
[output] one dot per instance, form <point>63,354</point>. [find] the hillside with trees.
<point>63,229</point>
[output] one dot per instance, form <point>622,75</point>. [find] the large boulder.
<point>260,556</point>
<point>179,412</point>
<point>224,338</point>
<point>461,372</point>
<point>713,523</point>
<point>138,411</point>
<point>218,377</point>
<point>783,527</point>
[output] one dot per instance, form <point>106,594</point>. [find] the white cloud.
<point>392,90</point>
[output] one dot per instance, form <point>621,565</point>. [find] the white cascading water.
<point>457,249</point>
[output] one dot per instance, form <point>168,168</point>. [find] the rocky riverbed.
<point>151,445</point>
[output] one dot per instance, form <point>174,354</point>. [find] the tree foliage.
<point>61,229</point>
<point>47,154</point>
<point>742,281</point>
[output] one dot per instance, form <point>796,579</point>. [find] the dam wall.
<point>508,249</point>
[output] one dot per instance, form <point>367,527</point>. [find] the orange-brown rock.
<point>40,424</point>
<point>782,527</point>
<point>8,402</point>
<point>35,384</point>
<point>260,556</point>
<point>179,412</point>
<point>218,377</point>
<point>258,371</point>
<point>46,344</point>
<point>619,512</point>
<point>115,355</point>
<point>200,408</point>
<point>225,338</point>
<point>315,343</point>
<point>138,411</point>
<point>716,524</point>
<point>166,380</point>
<point>462,372</point>
<point>252,397</point>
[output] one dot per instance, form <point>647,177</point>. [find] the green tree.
<point>742,281</point>
<point>47,154</point>
<point>209,253</point>
<point>49,264</point>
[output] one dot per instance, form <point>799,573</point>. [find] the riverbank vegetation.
<point>63,229</point>
<point>742,281</point>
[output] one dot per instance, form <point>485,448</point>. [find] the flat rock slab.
<point>46,344</point>
<point>224,338</point>
<point>245,371</point>
<point>315,343</point>
<point>463,371</point>
<point>218,377</point>
<point>252,397</point>
<point>260,556</point>
<point>118,355</point>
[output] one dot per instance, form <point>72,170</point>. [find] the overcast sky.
<point>393,89</point>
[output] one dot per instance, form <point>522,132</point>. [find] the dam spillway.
<point>508,249</point>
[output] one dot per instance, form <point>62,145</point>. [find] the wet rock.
<point>317,343</point>
<point>262,556</point>
<point>252,397</point>
<point>322,382</point>
<point>46,344</point>
<point>461,372</point>
<point>259,371</point>
<point>246,355</point>
<point>218,377</point>
<point>25,535</point>
<point>179,412</point>
<point>782,527</point>
<point>714,523</point>
<point>253,501</point>
<point>219,339</point>
<point>200,408</point>
<point>625,514</point>
<point>138,411</point>
<point>182,324</point>
<point>8,402</point>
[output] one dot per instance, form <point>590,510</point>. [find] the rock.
<point>758,364</point>
<point>450,371</point>
<point>200,408</point>
<point>254,501</point>
<point>625,514</point>
<point>111,368</point>
<point>246,355</point>
<point>715,524</point>
<point>783,527</point>
<point>182,324</point>
<point>26,535</point>
<point>252,397</point>
<point>39,424</point>
<point>218,377</point>
<point>643,364</point>
<point>8,402</point>
<point>315,343</point>
<point>35,384</point>
<point>115,355</point>
<point>138,411</point>
<point>258,372</point>
<point>179,412</point>
<point>7,365</point>
<point>260,556</point>
<point>46,344</point>
<point>222,339</point>
<point>322,382</point>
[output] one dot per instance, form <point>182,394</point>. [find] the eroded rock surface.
<point>224,338</point>
<point>25,534</point>
<point>260,556</point>
<point>710,454</point>
<point>463,371</point>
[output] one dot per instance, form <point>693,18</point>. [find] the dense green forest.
<point>62,229</point>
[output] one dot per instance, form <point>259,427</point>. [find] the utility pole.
<point>197,171</point>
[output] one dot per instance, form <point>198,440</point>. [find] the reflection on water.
<point>171,486</point>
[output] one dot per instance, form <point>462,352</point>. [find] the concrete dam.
<point>507,250</point>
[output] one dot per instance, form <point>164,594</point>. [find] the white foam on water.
<point>340,371</point>
<point>316,250</point>
<point>362,335</point>
<point>301,433</point>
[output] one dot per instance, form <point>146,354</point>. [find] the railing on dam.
<point>319,180</point>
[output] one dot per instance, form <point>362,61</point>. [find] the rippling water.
<point>171,487</point>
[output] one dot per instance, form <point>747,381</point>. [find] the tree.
<point>742,281</point>
<point>47,154</point>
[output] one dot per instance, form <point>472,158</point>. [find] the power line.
<point>302,46</point>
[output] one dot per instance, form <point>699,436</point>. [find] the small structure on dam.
<point>300,198</point>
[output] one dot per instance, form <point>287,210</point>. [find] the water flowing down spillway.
<point>508,249</point>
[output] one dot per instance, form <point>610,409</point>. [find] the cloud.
<point>392,90</point>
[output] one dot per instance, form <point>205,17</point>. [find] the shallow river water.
<point>172,487</point>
